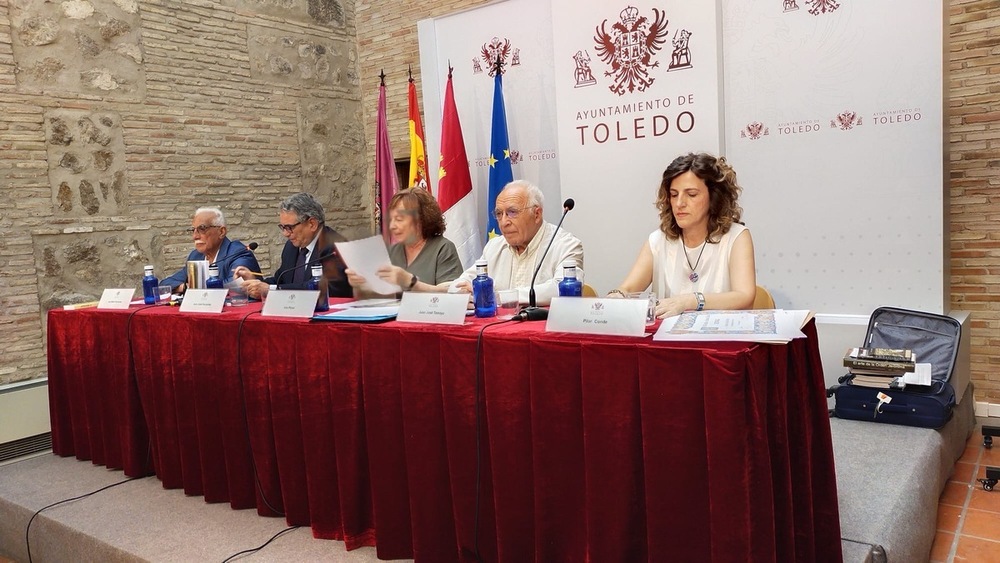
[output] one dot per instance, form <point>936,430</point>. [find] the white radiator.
<point>24,419</point>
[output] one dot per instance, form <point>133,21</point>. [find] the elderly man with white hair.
<point>208,230</point>
<point>512,258</point>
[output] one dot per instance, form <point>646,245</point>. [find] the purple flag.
<point>386,181</point>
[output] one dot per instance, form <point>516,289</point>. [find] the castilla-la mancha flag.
<point>418,158</point>
<point>455,185</point>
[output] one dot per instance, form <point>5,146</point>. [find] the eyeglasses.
<point>510,212</point>
<point>289,228</point>
<point>202,229</point>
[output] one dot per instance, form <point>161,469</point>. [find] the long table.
<point>599,448</point>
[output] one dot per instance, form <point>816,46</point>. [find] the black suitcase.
<point>934,339</point>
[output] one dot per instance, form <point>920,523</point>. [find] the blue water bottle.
<point>213,281</point>
<point>570,286</point>
<point>316,282</point>
<point>150,293</point>
<point>482,292</point>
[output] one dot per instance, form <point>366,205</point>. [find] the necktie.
<point>300,272</point>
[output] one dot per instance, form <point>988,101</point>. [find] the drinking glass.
<point>164,292</point>
<point>507,303</point>
<point>238,297</point>
<point>650,304</point>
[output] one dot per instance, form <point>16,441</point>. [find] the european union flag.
<point>501,173</point>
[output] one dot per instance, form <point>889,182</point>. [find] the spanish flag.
<point>418,159</point>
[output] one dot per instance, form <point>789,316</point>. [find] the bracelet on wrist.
<point>616,290</point>
<point>700,298</point>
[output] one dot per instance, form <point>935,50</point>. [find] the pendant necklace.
<point>694,275</point>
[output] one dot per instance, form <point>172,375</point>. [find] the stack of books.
<point>881,368</point>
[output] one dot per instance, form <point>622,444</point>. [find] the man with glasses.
<point>302,220</point>
<point>512,258</point>
<point>208,230</point>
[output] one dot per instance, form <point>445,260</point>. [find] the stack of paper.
<point>773,326</point>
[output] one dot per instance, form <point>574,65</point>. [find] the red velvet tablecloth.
<point>592,448</point>
<point>94,405</point>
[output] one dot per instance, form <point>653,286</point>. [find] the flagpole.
<point>386,182</point>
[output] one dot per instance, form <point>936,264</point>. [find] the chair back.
<point>763,300</point>
<point>589,291</point>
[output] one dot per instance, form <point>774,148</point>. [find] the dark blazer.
<point>226,267</point>
<point>333,266</point>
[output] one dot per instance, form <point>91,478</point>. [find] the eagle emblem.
<point>630,47</point>
<point>845,120</point>
<point>754,131</point>
<point>822,6</point>
<point>495,53</point>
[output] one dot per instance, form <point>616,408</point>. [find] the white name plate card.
<point>621,317</point>
<point>119,298</point>
<point>437,308</point>
<point>297,303</point>
<point>204,300</point>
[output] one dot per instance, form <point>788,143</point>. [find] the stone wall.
<point>118,118</point>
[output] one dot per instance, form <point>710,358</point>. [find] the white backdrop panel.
<point>846,214</point>
<point>614,146</point>
<point>834,122</point>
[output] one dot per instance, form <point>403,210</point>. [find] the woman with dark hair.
<point>701,257</point>
<point>422,259</point>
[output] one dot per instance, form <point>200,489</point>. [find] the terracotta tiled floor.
<point>968,523</point>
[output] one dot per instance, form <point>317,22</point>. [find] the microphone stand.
<point>327,253</point>
<point>532,312</point>
<point>238,254</point>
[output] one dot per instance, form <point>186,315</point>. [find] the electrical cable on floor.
<point>262,546</point>
<point>246,417</point>
<point>479,456</point>
<point>149,448</point>
<point>27,529</point>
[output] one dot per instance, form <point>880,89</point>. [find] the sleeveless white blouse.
<point>671,270</point>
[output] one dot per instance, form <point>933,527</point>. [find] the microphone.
<point>531,312</point>
<point>327,253</point>
<point>246,250</point>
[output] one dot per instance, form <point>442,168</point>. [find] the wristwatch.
<point>701,300</point>
<point>413,282</point>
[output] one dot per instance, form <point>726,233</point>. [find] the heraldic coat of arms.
<point>630,47</point>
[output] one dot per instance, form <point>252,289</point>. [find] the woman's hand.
<point>355,279</point>
<point>395,275</point>
<point>672,306</point>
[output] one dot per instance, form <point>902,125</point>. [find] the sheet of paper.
<point>379,302</point>
<point>365,256</point>
<point>920,376</point>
